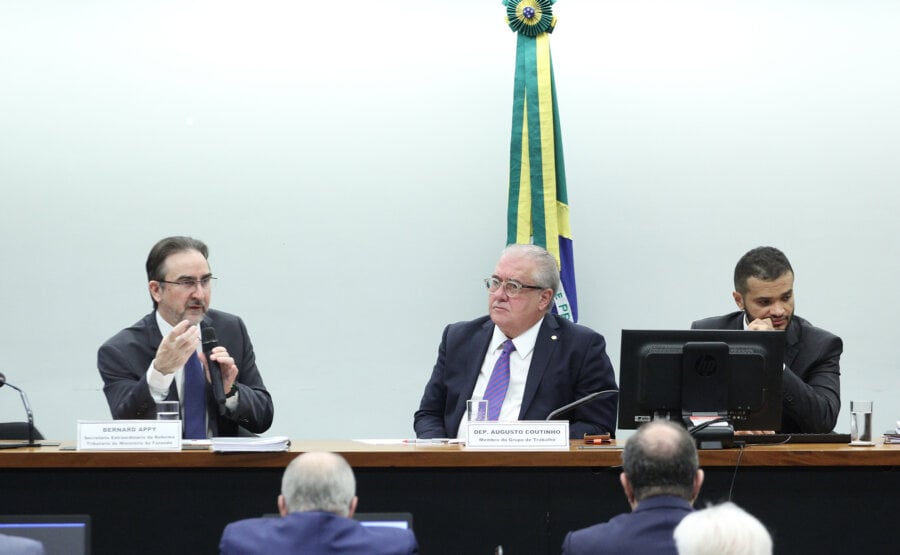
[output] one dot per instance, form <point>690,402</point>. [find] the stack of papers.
<point>249,444</point>
<point>893,436</point>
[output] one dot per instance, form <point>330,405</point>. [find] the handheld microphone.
<point>28,412</point>
<point>210,342</point>
<point>579,402</point>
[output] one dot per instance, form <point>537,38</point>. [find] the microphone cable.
<point>737,465</point>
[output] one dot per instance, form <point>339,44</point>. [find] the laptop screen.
<point>396,520</point>
<point>60,534</point>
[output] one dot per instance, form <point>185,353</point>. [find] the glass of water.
<point>477,410</point>
<point>167,410</point>
<point>861,423</point>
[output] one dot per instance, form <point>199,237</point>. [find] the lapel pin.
<point>553,338</point>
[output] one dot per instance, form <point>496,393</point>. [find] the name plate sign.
<point>522,434</point>
<point>129,435</point>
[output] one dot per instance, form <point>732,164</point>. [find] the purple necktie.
<point>499,382</point>
<point>194,402</point>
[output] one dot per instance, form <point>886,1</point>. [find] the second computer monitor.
<point>673,374</point>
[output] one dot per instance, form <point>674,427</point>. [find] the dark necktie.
<point>499,382</point>
<point>194,393</point>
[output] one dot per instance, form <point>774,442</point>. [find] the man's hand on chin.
<point>761,324</point>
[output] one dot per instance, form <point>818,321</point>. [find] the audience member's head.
<point>660,459</point>
<point>318,481</point>
<point>724,529</point>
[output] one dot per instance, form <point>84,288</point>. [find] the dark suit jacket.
<point>313,533</point>
<point>569,362</point>
<point>647,529</point>
<point>812,377</point>
<point>123,361</point>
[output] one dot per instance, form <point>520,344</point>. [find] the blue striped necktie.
<point>499,382</point>
<point>194,402</point>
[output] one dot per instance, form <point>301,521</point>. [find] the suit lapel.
<point>154,336</point>
<point>792,342</point>
<point>544,348</point>
<point>474,360</point>
<point>475,357</point>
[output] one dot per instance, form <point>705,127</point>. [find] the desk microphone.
<point>210,342</point>
<point>31,442</point>
<point>575,404</point>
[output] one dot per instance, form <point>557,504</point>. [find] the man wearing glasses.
<point>160,358</point>
<point>545,361</point>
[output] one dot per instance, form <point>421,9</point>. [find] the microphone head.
<point>2,379</point>
<point>208,337</point>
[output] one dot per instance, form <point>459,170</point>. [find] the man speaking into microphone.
<point>185,351</point>
<point>525,361</point>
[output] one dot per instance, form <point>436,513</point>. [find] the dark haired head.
<point>156,260</point>
<point>661,459</point>
<point>763,263</point>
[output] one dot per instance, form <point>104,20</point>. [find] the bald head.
<point>661,459</point>
<point>319,481</point>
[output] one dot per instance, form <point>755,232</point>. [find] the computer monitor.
<point>680,374</point>
<point>60,534</point>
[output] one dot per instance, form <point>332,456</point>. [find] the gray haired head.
<point>319,481</point>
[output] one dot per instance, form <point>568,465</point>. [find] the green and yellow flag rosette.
<point>538,206</point>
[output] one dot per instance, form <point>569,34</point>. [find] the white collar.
<point>524,342</point>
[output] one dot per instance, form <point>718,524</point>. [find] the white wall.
<point>347,164</point>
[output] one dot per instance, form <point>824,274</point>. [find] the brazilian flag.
<point>538,206</point>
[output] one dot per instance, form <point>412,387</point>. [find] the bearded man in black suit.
<point>764,293</point>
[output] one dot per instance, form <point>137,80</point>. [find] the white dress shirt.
<point>519,363</point>
<point>160,383</point>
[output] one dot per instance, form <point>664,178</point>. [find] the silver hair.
<point>724,529</point>
<point>319,481</point>
<point>546,269</point>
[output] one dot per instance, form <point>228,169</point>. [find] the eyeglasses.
<point>510,286</point>
<point>189,284</point>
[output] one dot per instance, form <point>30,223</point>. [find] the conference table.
<point>814,498</point>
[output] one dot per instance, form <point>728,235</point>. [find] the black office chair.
<point>17,430</point>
